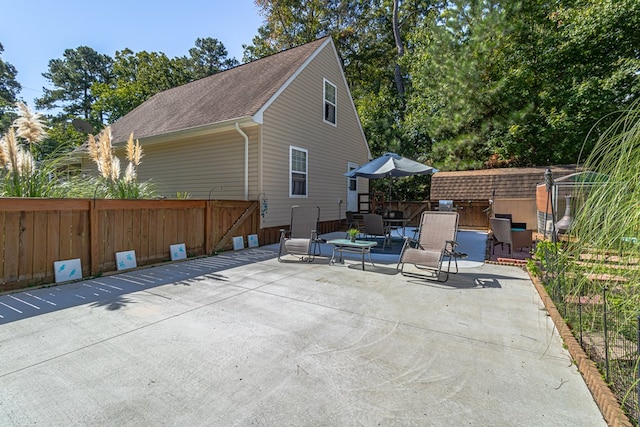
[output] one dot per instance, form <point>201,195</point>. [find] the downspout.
<point>246,161</point>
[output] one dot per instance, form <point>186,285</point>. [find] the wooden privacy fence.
<point>34,233</point>
<point>473,213</point>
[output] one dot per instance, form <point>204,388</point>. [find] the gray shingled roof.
<point>235,93</point>
<point>479,184</point>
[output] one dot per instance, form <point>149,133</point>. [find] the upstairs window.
<point>330,103</point>
<point>298,163</point>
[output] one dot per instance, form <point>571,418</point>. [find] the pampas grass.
<point>29,126</point>
<point>608,222</point>
<point>101,152</point>
<point>602,251</point>
<point>22,177</point>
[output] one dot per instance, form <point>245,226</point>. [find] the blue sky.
<point>35,32</point>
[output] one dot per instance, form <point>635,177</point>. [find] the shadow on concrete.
<point>108,291</point>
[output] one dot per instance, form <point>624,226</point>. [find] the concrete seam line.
<point>602,394</point>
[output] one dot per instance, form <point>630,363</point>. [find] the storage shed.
<point>506,190</point>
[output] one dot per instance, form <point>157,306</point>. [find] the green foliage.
<point>138,76</point>
<point>546,258</point>
<point>520,83</point>
<point>183,195</point>
<point>61,138</point>
<point>135,78</point>
<point>599,274</point>
<point>72,78</point>
<point>20,174</point>
<point>9,88</point>
<point>101,89</point>
<point>208,57</point>
<point>608,222</point>
<point>123,189</point>
<point>39,182</point>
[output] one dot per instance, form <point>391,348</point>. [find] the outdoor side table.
<point>346,245</point>
<point>397,224</point>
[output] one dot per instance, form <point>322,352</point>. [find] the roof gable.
<point>236,93</point>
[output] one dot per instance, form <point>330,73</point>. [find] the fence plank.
<point>119,232</point>
<point>170,231</point>
<point>129,240</point>
<point>39,248</point>
<point>153,232</point>
<point>66,228</point>
<point>33,204</point>
<point>2,245</point>
<point>25,248</point>
<point>162,218</point>
<point>107,256</point>
<point>208,228</point>
<point>80,242</point>
<point>144,236</point>
<point>12,244</point>
<point>180,226</point>
<point>53,237</point>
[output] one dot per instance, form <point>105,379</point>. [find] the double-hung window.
<point>298,166</point>
<point>330,102</point>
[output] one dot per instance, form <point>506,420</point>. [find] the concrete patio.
<point>241,339</point>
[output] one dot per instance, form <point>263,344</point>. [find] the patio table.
<point>346,245</point>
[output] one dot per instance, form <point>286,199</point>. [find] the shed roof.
<point>232,94</point>
<point>480,184</point>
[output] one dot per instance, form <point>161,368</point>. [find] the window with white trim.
<point>298,164</point>
<point>330,102</point>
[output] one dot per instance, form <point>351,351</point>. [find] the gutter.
<point>246,161</point>
<point>190,132</point>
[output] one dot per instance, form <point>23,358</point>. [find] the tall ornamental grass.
<point>598,277</point>
<point>20,174</point>
<point>111,183</point>
<point>605,237</point>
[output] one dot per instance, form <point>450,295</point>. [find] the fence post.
<point>208,228</point>
<point>606,340</point>
<point>94,237</point>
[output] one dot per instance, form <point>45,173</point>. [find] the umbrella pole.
<point>389,199</point>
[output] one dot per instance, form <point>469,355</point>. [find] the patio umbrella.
<point>390,165</point>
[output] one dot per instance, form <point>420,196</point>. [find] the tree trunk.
<point>399,46</point>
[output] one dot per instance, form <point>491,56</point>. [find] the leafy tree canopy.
<point>9,89</point>
<point>135,77</point>
<point>72,78</point>
<point>502,84</point>
<point>208,57</point>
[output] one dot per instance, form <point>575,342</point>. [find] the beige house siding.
<point>214,164</point>
<point>295,118</point>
